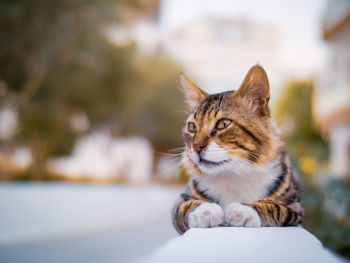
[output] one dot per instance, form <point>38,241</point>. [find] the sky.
<point>299,22</point>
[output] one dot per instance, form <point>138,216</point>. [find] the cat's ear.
<point>255,89</point>
<point>194,95</point>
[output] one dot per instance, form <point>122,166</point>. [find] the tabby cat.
<point>240,171</point>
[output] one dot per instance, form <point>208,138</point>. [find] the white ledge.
<point>238,244</point>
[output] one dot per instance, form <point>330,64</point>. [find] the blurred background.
<point>91,114</point>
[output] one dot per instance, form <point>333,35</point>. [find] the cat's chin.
<point>214,168</point>
<point>233,166</point>
<point>209,163</point>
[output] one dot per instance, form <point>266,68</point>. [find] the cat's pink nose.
<point>198,147</point>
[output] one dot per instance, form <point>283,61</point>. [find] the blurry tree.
<point>157,104</point>
<point>58,62</point>
<point>294,114</point>
<point>328,212</point>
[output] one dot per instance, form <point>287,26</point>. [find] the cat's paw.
<point>241,215</point>
<point>206,215</point>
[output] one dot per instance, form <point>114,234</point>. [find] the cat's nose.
<point>198,147</point>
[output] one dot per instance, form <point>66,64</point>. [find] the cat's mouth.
<point>205,162</point>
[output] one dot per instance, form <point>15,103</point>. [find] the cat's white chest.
<point>230,188</point>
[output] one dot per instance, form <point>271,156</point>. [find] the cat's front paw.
<point>241,215</point>
<point>206,215</point>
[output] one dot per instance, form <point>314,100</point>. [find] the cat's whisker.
<point>174,170</point>
<point>250,153</point>
<point>241,165</point>
<point>237,148</point>
<point>234,151</point>
<point>179,149</point>
<point>169,154</point>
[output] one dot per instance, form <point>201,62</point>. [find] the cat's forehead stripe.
<point>212,102</point>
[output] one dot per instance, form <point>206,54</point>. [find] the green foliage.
<point>153,104</point>
<point>294,114</point>
<point>60,62</point>
<point>295,106</point>
<point>36,35</point>
<point>328,212</point>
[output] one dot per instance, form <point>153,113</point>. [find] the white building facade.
<point>217,52</point>
<point>332,98</point>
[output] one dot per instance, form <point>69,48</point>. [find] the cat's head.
<point>229,131</point>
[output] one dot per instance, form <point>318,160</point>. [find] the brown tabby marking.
<point>250,136</point>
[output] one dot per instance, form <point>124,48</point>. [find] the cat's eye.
<point>223,123</point>
<point>192,127</point>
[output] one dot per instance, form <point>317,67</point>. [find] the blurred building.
<point>145,34</point>
<point>100,157</point>
<point>217,52</point>
<point>138,26</point>
<point>332,100</point>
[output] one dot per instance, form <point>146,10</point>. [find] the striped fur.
<point>243,163</point>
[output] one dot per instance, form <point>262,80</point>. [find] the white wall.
<point>339,136</point>
<point>333,84</point>
<point>217,52</point>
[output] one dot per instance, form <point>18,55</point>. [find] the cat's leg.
<point>180,213</point>
<point>263,213</point>
<point>206,215</point>
<point>196,213</point>
<point>279,214</point>
<point>237,214</point>
<point>196,209</point>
